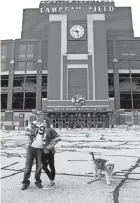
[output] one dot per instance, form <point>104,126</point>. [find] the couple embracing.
<point>42,138</point>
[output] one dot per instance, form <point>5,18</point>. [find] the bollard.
<point>127,128</point>
<point>67,127</point>
<point>1,125</point>
<point>96,127</point>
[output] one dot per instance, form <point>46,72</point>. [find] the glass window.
<point>31,79</point>
<point>44,86</point>
<point>136,84</point>
<point>3,52</point>
<point>4,80</point>
<point>22,51</point>
<point>124,75</point>
<point>124,82</point>
<point>136,98</point>
<point>30,66</point>
<point>44,95</point>
<point>3,101</point>
<point>135,75</point>
<point>111,82</point>
<point>125,101</point>
<point>20,66</point>
<point>30,51</point>
<point>30,100</point>
<point>111,94</point>
<point>31,82</point>
<point>3,66</point>
<point>18,81</point>
<point>44,80</point>
<point>17,100</point>
<point>26,51</point>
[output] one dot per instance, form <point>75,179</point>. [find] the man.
<point>34,150</point>
<point>50,140</point>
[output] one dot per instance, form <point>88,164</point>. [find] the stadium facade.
<point>77,60</point>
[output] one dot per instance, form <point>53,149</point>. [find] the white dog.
<point>102,165</point>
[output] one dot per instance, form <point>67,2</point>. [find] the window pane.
<point>31,79</point>
<point>125,101</point>
<point>3,52</point>
<point>136,98</point>
<point>111,94</point>
<point>3,66</point>
<point>111,82</point>
<point>4,81</point>
<point>17,100</point>
<point>20,66</point>
<point>30,83</point>
<point>30,66</point>
<point>30,100</point>
<point>30,51</point>
<point>22,52</point>
<point>3,101</point>
<point>136,84</point>
<point>124,75</point>
<point>125,85</point>
<point>44,80</point>
<point>18,81</point>
<point>44,94</point>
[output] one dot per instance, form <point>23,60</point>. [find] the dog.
<point>102,165</point>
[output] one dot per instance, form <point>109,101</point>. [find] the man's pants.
<point>31,154</point>
<point>48,159</point>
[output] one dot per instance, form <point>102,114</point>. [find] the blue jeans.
<point>33,153</point>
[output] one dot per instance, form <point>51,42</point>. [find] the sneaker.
<point>50,186</point>
<point>39,185</point>
<point>24,187</point>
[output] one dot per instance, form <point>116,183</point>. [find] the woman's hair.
<point>48,122</point>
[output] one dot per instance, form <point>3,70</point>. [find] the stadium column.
<point>97,49</point>
<point>116,78</point>
<point>11,77</point>
<point>65,79</point>
<point>39,78</point>
<point>57,46</point>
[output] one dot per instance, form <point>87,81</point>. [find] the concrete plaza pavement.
<point>74,167</point>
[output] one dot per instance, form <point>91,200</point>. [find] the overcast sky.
<point>11,16</point>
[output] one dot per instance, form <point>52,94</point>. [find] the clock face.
<point>77,31</point>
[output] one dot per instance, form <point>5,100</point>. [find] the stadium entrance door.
<point>79,120</point>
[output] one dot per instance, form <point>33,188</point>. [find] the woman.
<point>51,138</point>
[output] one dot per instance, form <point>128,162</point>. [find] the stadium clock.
<point>77,31</point>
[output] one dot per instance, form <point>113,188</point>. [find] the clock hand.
<point>76,31</point>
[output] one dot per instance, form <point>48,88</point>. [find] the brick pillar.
<point>116,78</point>
<point>90,77</point>
<point>116,84</point>
<point>65,79</point>
<point>39,78</point>
<point>11,77</point>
